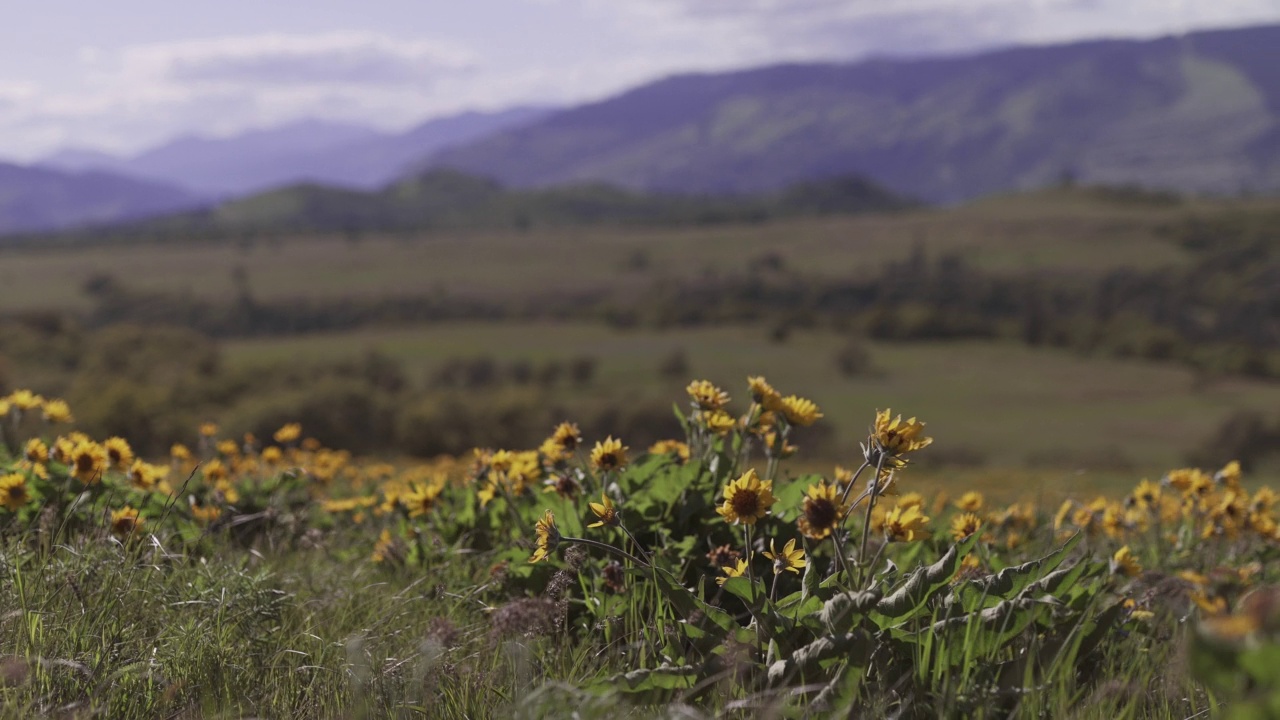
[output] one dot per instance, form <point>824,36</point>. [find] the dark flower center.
<point>820,512</point>
<point>746,503</point>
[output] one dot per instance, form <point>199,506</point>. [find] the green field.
<point>1009,403</point>
<point>1050,231</point>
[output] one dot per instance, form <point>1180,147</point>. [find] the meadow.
<point>523,474</point>
<point>1046,232</point>
<point>701,577</point>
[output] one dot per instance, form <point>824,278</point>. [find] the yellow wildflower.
<point>25,400</point>
<point>906,525</point>
<point>126,521</point>
<point>706,395</point>
<point>747,499</point>
<point>970,502</point>
<point>119,454</point>
<point>964,525</point>
<point>732,571</point>
<point>88,462</point>
<point>288,433</point>
<point>800,411</point>
<point>718,422</point>
<point>606,512</point>
<point>1124,563</point>
<point>13,491</point>
<point>609,455</point>
<point>671,447</point>
<point>790,559</point>
<point>822,511</point>
<point>57,411</point>
<point>764,394</point>
<point>1147,495</point>
<point>895,438</point>
<point>548,537</point>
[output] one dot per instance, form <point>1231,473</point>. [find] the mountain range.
<point>1197,113</point>
<point>34,199</point>
<point>313,151</point>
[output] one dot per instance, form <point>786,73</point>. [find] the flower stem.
<point>606,547</point>
<point>866,523</point>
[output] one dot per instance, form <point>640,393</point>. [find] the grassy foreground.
<point>702,577</point>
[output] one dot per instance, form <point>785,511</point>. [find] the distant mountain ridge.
<point>313,151</point>
<point>449,200</point>
<point>34,199</point>
<point>1196,113</point>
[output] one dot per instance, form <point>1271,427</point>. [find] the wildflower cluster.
<point>801,578</point>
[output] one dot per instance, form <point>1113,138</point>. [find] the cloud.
<point>297,60</point>
<point>769,30</point>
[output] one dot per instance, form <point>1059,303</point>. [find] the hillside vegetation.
<point>1199,112</point>
<point>1153,312</point>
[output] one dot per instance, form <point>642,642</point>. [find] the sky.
<point>125,75</point>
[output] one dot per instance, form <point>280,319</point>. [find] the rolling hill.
<point>449,200</point>
<point>33,198</point>
<point>310,151</point>
<point>1197,113</point>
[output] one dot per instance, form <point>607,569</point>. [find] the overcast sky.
<point>122,75</point>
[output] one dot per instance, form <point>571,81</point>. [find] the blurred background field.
<point>1064,257</point>
<point>1042,336</point>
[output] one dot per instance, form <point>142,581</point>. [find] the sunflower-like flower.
<point>791,559</point>
<point>548,537</point>
<point>35,456</point>
<point>609,455</point>
<point>764,394</point>
<point>204,514</point>
<point>747,499</point>
<point>738,569</point>
<point>25,400</point>
<point>421,498</point>
<point>1147,495</point>
<point>88,460</point>
<point>57,411</point>
<point>1124,563</point>
<point>119,454</point>
<point>36,451</point>
<point>288,433</point>
<point>822,511</point>
<point>606,512</point>
<point>706,395</point>
<point>126,521</point>
<point>563,484</point>
<point>894,439</point>
<point>717,422</point>
<point>208,429</point>
<point>906,525</point>
<point>671,447</point>
<point>1229,475</point>
<point>13,491</point>
<point>800,411</point>
<point>143,475</point>
<point>971,502</point>
<point>964,525</point>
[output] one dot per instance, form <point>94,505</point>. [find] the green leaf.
<point>1011,581</point>
<point>840,613</point>
<point>742,587</point>
<point>923,583</point>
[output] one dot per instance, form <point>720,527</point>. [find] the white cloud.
<point>770,30</point>
<point>297,60</point>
